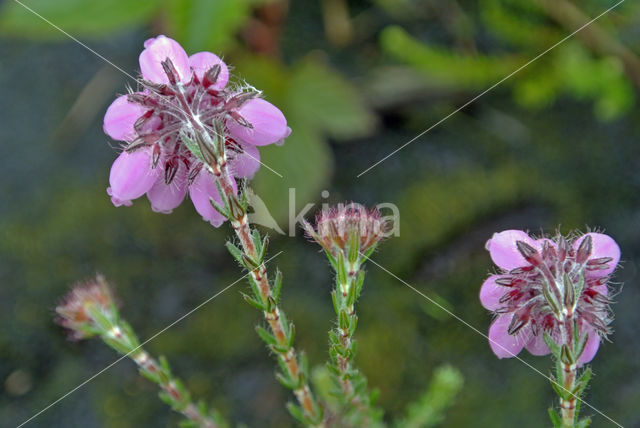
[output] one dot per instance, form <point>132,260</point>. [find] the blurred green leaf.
<point>323,99</point>
<point>78,17</point>
<point>428,410</point>
<point>206,24</point>
<point>448,67</point>
<point>517,22</point>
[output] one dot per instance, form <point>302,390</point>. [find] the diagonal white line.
<point>540,55</point>
<point>487,337</point>
<point>113,65</point>
<point>76,40</point>
<point>141,345</point>
<point>266,166</point>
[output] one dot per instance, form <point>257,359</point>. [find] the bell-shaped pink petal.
<point>201,62</point>
<point>159,49</point>
<point>602,246</point>
<point>502,343</point>
<point>120,117</point>
<point>131,177</point>
<point>590,349</point>
<point>268,124</point>
<point>165,197</point>
<point>491,293</point>
<point>536,345</point>
<point>503,250</point>
<point>201,191</point>
<point>245,164</point>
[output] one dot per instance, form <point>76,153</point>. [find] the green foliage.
<point>429,409</point>
<point>573,68</point>
<point>80,18</point>
<point>442,66</point>
<point>205,24</point>
<point>321,99</point>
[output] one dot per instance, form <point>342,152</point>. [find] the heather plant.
<point>552,296</point>
<point>187,130</point>
<point>190,130</point>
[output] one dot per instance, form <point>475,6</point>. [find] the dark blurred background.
<point>554,146</point>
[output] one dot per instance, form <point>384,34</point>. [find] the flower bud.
<point>75,309</point>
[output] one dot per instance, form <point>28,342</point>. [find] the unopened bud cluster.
<point>85,307</point>
<point>350,230</point>
<point>89,310</point>
<point>348,234</point>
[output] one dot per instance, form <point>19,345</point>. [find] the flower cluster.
<point>181,98</point>
<point>557,286</point>
<point>75,310</point>
<point>339,227</point>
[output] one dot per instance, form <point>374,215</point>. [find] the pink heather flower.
<point>547,285</point>
<point>337,226</point>
<point>182,95</point>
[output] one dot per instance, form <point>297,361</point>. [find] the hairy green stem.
<point>119,335</point>
<point>280,339</point>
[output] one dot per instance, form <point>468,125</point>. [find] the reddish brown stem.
<point>242,228</point>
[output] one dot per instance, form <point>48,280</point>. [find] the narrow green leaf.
<point>556,421</point>
<point>354,248</point>
<point>253,302</point>
<point>257,240</point>
<point>286,382</point>
<point>256,292</point>
<point>352,293</point>
<point>235,252</point>
<point>344,319</point>
<point>551,344</point>
<point>263,249</point>
<point>332,260</point>
<point>341,272</point>
<point>297,413</point>
<point>266,336</point>
<point>335,302</point>
<point>566,356</point>
<point>225,201</point>
<point>560,391</point>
